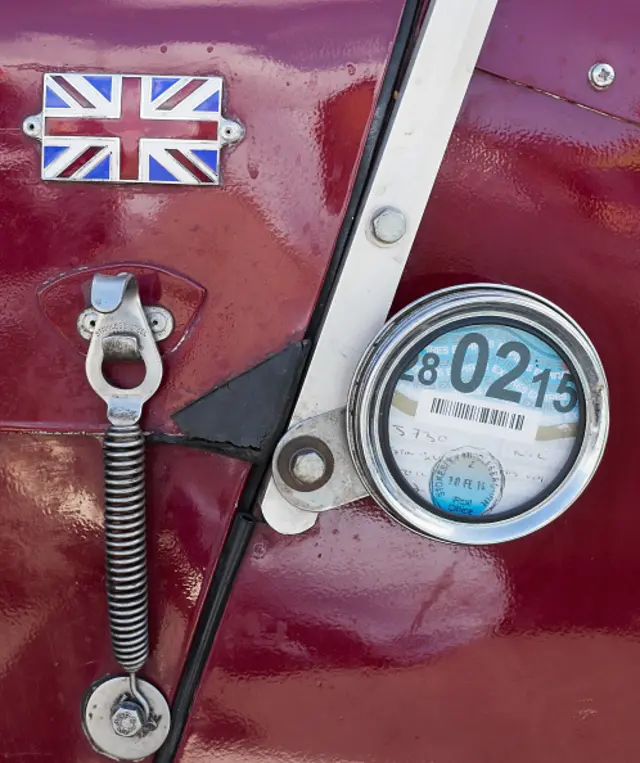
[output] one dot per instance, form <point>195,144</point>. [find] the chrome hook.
<point>122,332</point>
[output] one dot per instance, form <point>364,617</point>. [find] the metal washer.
<point>96,720</point>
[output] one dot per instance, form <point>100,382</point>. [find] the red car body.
<point>357,641</point>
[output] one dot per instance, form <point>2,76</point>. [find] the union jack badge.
<point>132,128</point>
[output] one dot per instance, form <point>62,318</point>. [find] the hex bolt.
<point>308,466</point>
<point>127,719</point>
<point>601,76</point>
<point>388,225</point>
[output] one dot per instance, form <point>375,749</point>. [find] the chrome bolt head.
<point>106,725</point>
<point>127,719</point>
<point>388,225</point>
<point>601,76</point>
<point>308,466</point>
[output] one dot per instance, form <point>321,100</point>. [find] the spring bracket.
<point>125,717</point>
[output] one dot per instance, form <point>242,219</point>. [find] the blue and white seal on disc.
<point>467,481</point>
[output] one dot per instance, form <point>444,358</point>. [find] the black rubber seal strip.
<point>208,624</point>
<point>243,524</point>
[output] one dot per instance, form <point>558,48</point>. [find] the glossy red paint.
<point>54,634</point>
<point>240,266</point>
<point>550,45</point>
<point>361,641</point>
<point>303,86</point>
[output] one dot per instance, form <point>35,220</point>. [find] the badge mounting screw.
<point>32,126</point>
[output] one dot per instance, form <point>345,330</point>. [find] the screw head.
<point>231,132</point>
<point>388,225</point>
<point>32,126</point>
<point>158,320</point>
<point>308,466</point>
<point>127,719</point>
<point>601,76</point>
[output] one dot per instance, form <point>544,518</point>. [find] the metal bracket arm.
<point>421,126</point>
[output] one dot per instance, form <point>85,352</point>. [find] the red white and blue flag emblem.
<point>134,128</point>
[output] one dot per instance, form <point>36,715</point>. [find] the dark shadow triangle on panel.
<point>243,418</point>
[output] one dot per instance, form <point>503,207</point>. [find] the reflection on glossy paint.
<point>302,78</point>
<point>362,642</point>
<point>456,595</point>
<point>44,468</point>
<point>41,494</point>
<point>294,5</point>
<point>188,579</point>
<point>259,245</point>
<point>333,631</point>
<point>53,620</point>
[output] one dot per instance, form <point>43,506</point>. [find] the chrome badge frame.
<point>435,314</point>
<point>90,111</point>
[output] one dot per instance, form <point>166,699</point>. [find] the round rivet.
<point>601,76</point>
<point>388,225</point>
<point>32,126</point>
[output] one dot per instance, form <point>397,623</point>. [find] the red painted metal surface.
<point>54,634</point>
<point>240,267</point>
<point>303,86</point>
<point>360,641</point>
<point>550,45</point>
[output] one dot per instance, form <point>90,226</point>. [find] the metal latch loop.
<point>122,332</point>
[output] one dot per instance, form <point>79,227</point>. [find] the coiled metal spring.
<point>125,535</point>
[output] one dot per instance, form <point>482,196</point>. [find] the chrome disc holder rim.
<point>477,303</point>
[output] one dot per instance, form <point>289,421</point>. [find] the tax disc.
<point>478,414</point>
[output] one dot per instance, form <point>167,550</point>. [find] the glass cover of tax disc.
<point>483,422</point>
